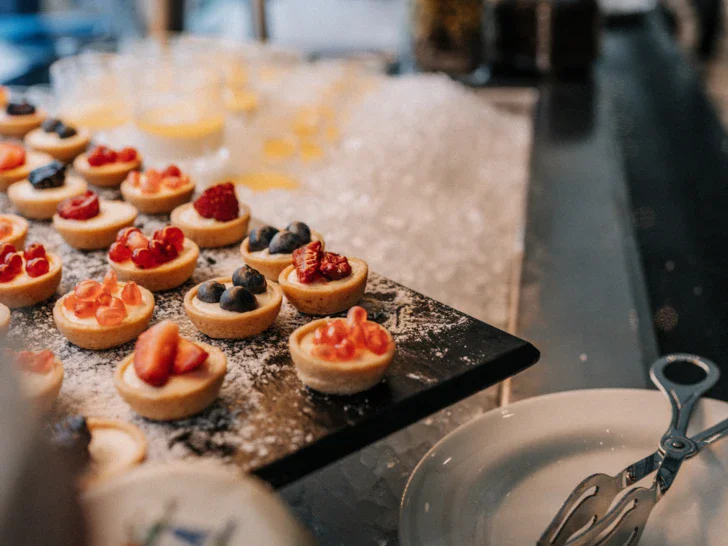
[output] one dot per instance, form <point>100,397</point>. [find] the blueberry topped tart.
<point>38,196</point>
<point>19,117</point>
<point>58,139</point>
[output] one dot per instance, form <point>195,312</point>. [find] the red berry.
<point>35,250</point>
<point>155,352</point>
<point>130,294</point>
<point>127,154</point>
<point>143,258</point>
<point>171,170</point>
<point>14,262</point>
<point>189,356</point>
<point>218,202</point>
<point>5,249</point>
<point>97,157</point>
<point>80,208</point>
<point>119,252</point>
<point>6,273</point>
<point>88,290</point>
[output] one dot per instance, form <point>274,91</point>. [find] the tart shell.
<point>334,377</point>
<point>79,235</point>
<point>234,327</point>
<point>17,126</point>
<point>4,320</point>
<point>65,150</point>
<point>17,239</point>
<point>324,298</point>
<point>105,176</point>
<point>43,400</point>
<point>41,209</point>
<point>137,456</point>
<point>171,406</point>
<point>165,277</point>
<point>33,290</point>
<point>96,336</point>
<point>155,203</point>
<point>213,235</point>
<point>33,160</point>
<point>272,265</point>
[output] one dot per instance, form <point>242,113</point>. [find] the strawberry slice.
<point>189,356</point>
<point>155,351</point>
<point>11,156</point>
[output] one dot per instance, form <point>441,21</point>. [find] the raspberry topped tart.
<point>169,377</point>
<point>45,188</point>
<point>341,356</point>
<point>16,163</point>
<point>270,251</point>
<point>27,277</point>
<point>161,262</point>
<point>41,377</point>
<point>234,307</point>
<point>99,315</point>
<point>57,139</point>
<point>89,223</point>
<point>105,167</point>
<point>13,230</point>
<point>157,192</point>
<point>323,283</point>
<point>17,118</point>
<point>216,218</point>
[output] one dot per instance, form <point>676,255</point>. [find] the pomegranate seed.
<point>35,250</point>
<point>325,352</point>
<point>357,337</point>
<point>175,182</point>
<point>130,294</point>
<point>119,252</point>
<point>356,315</point>
<point>134,178</point>
<point>31,361</point>
<point>69,302</point>
<point>171,170</point>
<point>136,240</point>
<point>5,249</point>
<point>14,262</point>
<point>378,341</point>
<point>123,235</point>
<point>104,298</point>
<point>174,236</point>
<point>111,280</point>
<point>97,157</point>
<point>151,181</point>
<point>143,258</point>
<point>88,290</point>
<point>162,252</point>
<point>6,273</point>
<point>84,309</point>
<point>345,349</point>
<point>336,330</point>
<point>6,228</point>
<point>127,154</point>
<point>318,336</point>
<point>112,314</point>
<point>37,267</point>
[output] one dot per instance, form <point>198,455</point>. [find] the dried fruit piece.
<point>88,290</point>
<point>155,352</point>
<point>307,261</point>
<point>119,252</point>
<point>80,208</point>
<point>218,202</point>
<point>34,250</point>
<point>11,156</point>
<point>334,266</point>
<point>130,294</point>
<point>37,267</point>
<point>189,356</point>
<point>111,280</point>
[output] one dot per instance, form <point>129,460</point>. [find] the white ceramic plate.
<point>499,479</point>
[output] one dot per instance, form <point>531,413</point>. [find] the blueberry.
<point>65,131</point>
<point>250,279</point>
<point>49,124</point>
<point>284,242</point>
<point>260,238</point>
<point>300,230</point>
<point>23,108</point>
<point>210,291</point>
<point>238,299</point>
<point>52,175</point>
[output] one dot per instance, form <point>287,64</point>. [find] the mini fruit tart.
<point>215,219</point>
<point>161,263</point>
<point>323,283</point>
<point>28,277</point>
<point>234,307</point>
<point>270,251</point>
<point>155,192</point>
<point>58,140</point>
<point>105,167</point>
<point>38,197</point>
<point>341,356</point>
<point>13,230</point>
<point>4,320</point>
<point>169,377</point>
<point>41,376</point>
<point>89,223</point>
<point>101,315</point>
<point>17,118</point>
<point>16,163</point>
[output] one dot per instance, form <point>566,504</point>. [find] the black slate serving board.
<point>265,421</point>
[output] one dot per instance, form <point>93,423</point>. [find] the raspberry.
<point>5,249</point>
<point>171,170</point>
<point>35,250</point>
<point>143,258</point>
<point>110,156</point>
<point>130,294</point>
<point>218,202</point>
<point>14,262</point>
<point>119,252</point>
<point>307,261</point>
<point>127,154</point>
<point>334,266</point>
<point>80,208</point>
<point>97,157</point>
<point>37,267</point>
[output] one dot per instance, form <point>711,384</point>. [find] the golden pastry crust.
<point>216,234</point>
<point>157,203</point>
<point>326,298</point>
<point>65,149</point>
<point>17,126</point>
<point>99,473</point>
<point>166,276</point>
<point>40,205</point>
<point>4,320</point>
<point>33,160</point>
<point>29,290</point>
<point>272,265</point>
<point>241,325</point>
<point>95,336</point>
<point>105,176</point>
<point>20,231</point>
<point>43,400</point>
<point>334,377</point>
<point>168,405</point>
<point>79,234</point>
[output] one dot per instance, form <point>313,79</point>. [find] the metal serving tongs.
<point>585,518</point>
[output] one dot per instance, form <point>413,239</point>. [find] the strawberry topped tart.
<point>13,230</point>
<point>341,356</point>
<point>41,377</point>
<point>215,219</point>
<point>29,276</point>
<point>16,163</point>
<point>105,167</point>
<point>169,377</point>
<point>89,223</point>
<point>161,263</point>
<point>17,118</point>
<point>45,188</point>
<point>58,139</point>
<point>323,283</point>
<point>99,315</point>
<point>157,192</point>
